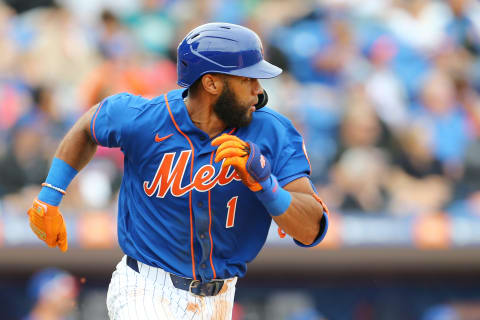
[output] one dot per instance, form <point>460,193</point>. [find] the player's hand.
<point>47,223</point>
<point>252,167</point>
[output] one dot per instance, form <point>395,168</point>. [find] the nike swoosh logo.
<point>158,139</point>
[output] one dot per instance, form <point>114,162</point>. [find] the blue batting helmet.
<point>222,48</point>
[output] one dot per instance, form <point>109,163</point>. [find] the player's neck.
<point>203,117</point>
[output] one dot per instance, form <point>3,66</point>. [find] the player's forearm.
<point>302,218</point>
<point>77,147</point>
<point>74,152</point>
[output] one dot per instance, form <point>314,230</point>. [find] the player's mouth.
<point>253,105</point>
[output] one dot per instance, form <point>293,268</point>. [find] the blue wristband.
<point>273,197</point>
<point>60,176</point>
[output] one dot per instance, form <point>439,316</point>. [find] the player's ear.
<point>213,83</point>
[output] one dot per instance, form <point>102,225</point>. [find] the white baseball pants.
<point>149,294</point>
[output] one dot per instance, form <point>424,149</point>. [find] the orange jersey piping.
<point>190,193</point>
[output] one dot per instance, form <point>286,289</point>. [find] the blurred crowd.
<point>385,92</point>
<point>52,295</point>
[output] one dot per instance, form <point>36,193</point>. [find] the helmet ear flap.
<point>262,100</point>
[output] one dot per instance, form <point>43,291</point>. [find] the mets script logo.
<point>169,177</point>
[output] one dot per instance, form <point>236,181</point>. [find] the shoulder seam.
<point>279,119</point>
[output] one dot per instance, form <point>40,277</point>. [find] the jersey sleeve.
<point>291,161</point>
<point>112,122</point>
<point>321,234</point>
<point>323,226</point>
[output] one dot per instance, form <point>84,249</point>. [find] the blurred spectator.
<point>471,176</point>
<point>14,102</point>
<point>115,41</point>
<point>122,70</point>
<point>335,58</point>
<point>419,23</point>
<point>25,161</point>
<point>387,92</point>
<point>453,311</point>
<point>317,118</point>
<point>468,206</point>
<point>57,52</point>
<point>118,71</point>
<point>415,157</point>
<point>32,138</point>
<point>417,184</point>
<point>53,294</point>
<point>441,115</point>
<point>152,26</point>
<point>10,31</point>
<point>44,113</point>
<point>463,28</point>
<point>359,175</point>
<point>320,47</point>
<point>292,306</point>
<point>469,99</point>
<point>21,6</point>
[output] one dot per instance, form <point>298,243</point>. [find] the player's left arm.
<point>303,218</point>
<point>295,208</point>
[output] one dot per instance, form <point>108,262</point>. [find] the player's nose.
<point>257,87</point>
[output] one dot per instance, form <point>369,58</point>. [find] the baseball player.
<point>206,170</point>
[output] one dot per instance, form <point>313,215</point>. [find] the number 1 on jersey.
<point>232,207</point>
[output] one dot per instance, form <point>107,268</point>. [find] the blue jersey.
<point>177,209</point>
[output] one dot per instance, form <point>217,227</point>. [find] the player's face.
<point>236,103</point>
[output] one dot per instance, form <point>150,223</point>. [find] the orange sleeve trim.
<point>190,193</point>
<point>304,148</point>
<point>322,203</point>
<point>93,124</point>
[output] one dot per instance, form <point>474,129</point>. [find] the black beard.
<point>230,111</point>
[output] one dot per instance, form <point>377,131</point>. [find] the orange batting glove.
<point>46,221</point>
<point>235,152</point>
